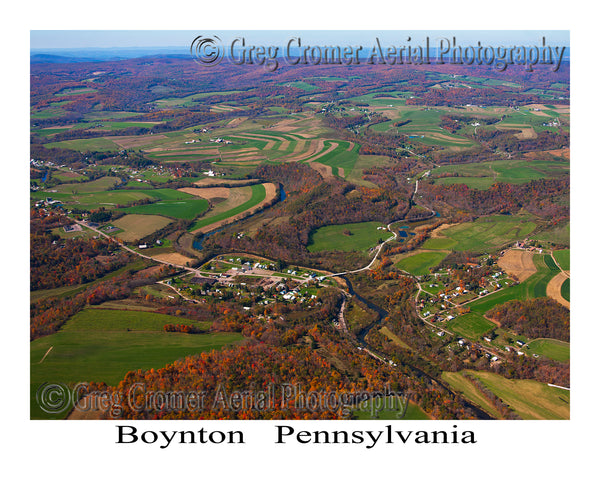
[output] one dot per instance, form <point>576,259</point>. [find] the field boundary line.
<point>46,354</point>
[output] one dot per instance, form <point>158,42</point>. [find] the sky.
<point>76,39</point>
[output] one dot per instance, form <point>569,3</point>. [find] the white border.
<point>525,449</point>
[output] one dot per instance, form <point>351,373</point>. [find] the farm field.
<point>470,325</point>
<point>518,263</point>
<point>341,160</point>
<point>461,384</point>
<point>136,226</point>
<point>420,263</point>
<point>186,209</point>
<point>67,176</point>
<point>110,199</point>
<point>551,348</point>
<point>95,200</point>
<point>565,290</point>
<point>563,257</point>
<point>107,125</point>
<point>99,185</point>
<point>555,289</point>
<point>189,100</point>
<point>423,123</point>
<point>439,244</point>
<point>484,175</point>
<point>560,234</point>
<point>109,343</point>
<point>99,144</point>
<point>220,216</point>
<point>358,237</point>
<point>528,398</point>
<point>490,233</point>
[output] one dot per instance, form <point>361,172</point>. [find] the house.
<point>142,246</point>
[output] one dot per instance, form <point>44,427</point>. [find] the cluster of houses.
<point>523,245</point>
<point>47,202</point>
<point>554,123</point>
<point>211,173</point>
<point>142,246</point>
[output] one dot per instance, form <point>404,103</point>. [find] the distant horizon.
<point>167,39</point>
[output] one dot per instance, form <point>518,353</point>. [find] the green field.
<point>483,175</point>
<point>439,244</point>
<point>392,98</point>
<point>189,100</point>
<point>307,87</point>
<point>97,115</point>
<point>107,125</point>
<point>258,195</point>
<point>92,201</point>
<point>50,112</point>
<point>461,384</point>
<point>185,209</point>
<point>565,290</point>
<point>64,176</point>
<point>111,198</point>
<point>528,398</point>
<point>420,263</point>
<point>470,325</point>
<point>340,158</point>
<point>168,194</point>
<point>98,185</point>
<point>424,123</point>
<point>560,234</point>
<point>361,237</point>
<point>99,144</point>
<point>490,233</point>
<point>563,257</point>
<point>75,91</point>
<point>103,345</point>
<point>551,348</point>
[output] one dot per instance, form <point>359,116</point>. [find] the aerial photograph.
<point>300,225</point>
